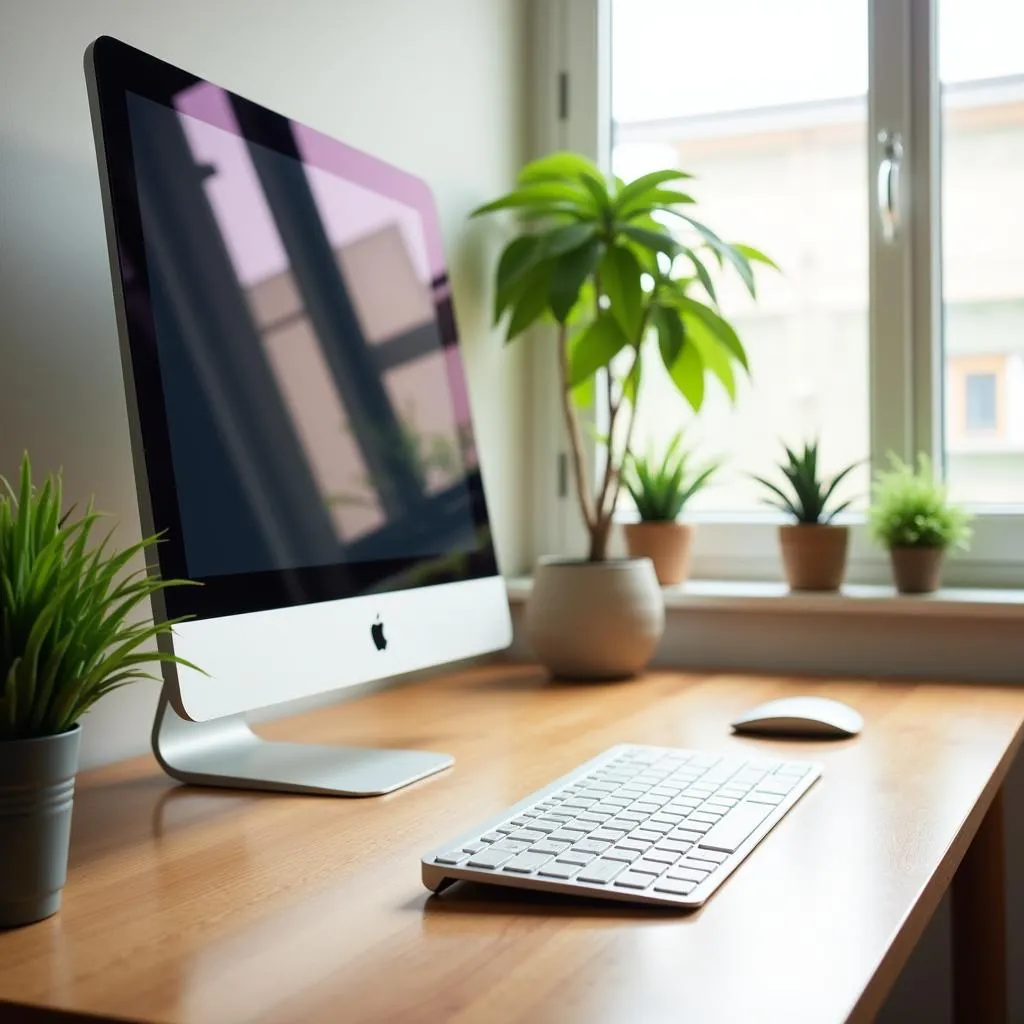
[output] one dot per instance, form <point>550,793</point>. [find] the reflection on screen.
<point>315,414</point>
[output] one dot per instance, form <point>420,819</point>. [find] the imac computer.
<point>300,421</point>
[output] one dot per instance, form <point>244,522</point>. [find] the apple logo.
<point>377,632</point>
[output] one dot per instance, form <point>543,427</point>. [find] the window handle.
<point>889,184</point>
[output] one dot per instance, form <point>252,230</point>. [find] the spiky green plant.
<point>660,488</point>
<point>912,509</point>
<point>65,635</point>
<point>809,493</point>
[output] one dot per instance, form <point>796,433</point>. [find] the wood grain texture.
<point>198,905</point>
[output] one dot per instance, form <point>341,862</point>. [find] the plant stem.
<point>572,426</point>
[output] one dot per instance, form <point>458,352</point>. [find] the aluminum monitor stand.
<point>226,752</point>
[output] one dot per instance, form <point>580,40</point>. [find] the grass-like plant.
<point>660,488</point>
<point>66,639</point>
<point>809,492</point>
<point>911,509</point>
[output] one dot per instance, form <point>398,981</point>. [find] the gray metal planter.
<point>37,786</point>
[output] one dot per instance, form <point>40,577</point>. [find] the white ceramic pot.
<point>595,620</point>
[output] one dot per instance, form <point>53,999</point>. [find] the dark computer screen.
<point>289,295</point>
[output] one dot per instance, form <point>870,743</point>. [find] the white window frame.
<point>572,110</point>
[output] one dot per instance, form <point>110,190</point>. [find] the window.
<point>779,153</point>
<point>980,403</point>
<point>873,148</point>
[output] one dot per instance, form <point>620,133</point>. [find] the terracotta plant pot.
<point>814,555</point>
<point>917,570</point>
<point>595,620</point>
<point>666,544</point>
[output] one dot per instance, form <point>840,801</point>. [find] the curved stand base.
<point>226,752</point>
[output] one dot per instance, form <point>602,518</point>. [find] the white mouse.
<point>801,717</point>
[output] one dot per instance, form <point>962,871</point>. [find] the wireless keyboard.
<point>644,824</point>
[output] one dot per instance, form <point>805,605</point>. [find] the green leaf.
<point>631,382</point>
<point>656,199</point>
<point>656,241</point>
<point>595,348</point>
<point>620,280</point>
<point>718,326</point>
<point>723,251</point>
<point>566,238</point>
<point>517,258</point>
<point>557,167</point>
<point>687,373</point>
<point>670,334</point>
<point>584,393</point>
<point>646,183</point>
<point>702,274</point>
<point>714,355</point>
<point>540,198</point>
<point>571,270</point>
<point>530,301</point>
<point>755,255</point>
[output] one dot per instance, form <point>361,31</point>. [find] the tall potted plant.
<point>660,489</point>
<point>813,547</point>
<point>66,639</point>
<point>596,259</point>
<point>912,516</point>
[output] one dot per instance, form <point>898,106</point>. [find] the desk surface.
<point>200,905</point>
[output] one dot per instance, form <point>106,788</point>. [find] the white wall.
<point>436,87</point>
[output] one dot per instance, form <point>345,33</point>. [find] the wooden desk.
<point>193,905</point>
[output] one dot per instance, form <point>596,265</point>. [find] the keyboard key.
<point>608,835</point>
<point>492,837</point>
<point>646,866</point>
<point>733,792</point>
<point>631,816</point>
<point>527,862</point>
<point>523,819</point>
<point>490,858</point>
<point>618,853</point>
<point>703,866</point>
<point>707,816</point>
<point>473,847</point>
<point>591,846</point>
<point>600,871</point>
<point>645,834</point>
<point>675,886</point>
<point>512,845</point>
<point>728,835</point>
<point>686,875</point>
<point>506,828</point>
<point>695,826</point>
<point>661,827</point>
<point>632,843</point>
<point>770,799</point>
<point>667,817</point>
<point>713,856</point>
<point>546,846</point>
<point>663,856</point>
<point>558,869</point>
<point>527,835</point>
<point>719,803</point>
<point>685,835</point>
<point>597,817</point>
<point>566,835</point>
<point>452,857</point>
<point>703,760</point>
<point>617,801</point>
<point>672,846</point>
<point>572,857</point>
<point>631,880</point>
<point>545,825</point>
<point>646,806</point>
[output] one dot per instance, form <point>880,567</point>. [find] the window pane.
<point>981,70</point>
<point>775,129</point>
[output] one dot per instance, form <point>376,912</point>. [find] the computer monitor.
<point>299,415</point>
